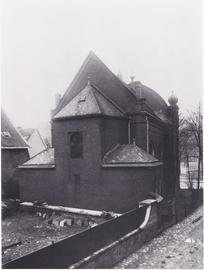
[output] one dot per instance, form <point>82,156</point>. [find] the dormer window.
<point>5,134</point>
<point>76,144</point>
<point>82,98</point>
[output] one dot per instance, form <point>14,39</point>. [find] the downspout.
<point>129,131</point>
<point>146,219</point>
<point>147,125</point>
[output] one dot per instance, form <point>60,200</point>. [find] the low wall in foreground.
<point>111,254</point>
<point>137,226</point>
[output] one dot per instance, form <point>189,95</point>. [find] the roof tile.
<point>128,154</point>
<point>90,101</point>
<point>46,157</point>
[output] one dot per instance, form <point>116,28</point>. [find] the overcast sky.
<point>44,42</point>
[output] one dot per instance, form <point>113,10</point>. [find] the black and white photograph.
<point>102,134</point>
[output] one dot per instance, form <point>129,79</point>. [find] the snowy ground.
<point>184,181</point>
<point>179,247</point>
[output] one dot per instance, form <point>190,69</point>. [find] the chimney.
<point>57,99</point>
<point>120,76</point>
<point>19,129</point>
<point>132,79</point>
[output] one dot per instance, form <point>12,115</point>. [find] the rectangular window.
<point>77,183</point>
<point>76,144</point>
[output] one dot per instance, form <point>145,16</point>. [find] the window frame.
<point>76,150</point>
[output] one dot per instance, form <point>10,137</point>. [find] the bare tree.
<point>191,144</point>
<point>195,128</point>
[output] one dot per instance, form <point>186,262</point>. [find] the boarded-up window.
<point>77,183</point>
<point>76,144</point>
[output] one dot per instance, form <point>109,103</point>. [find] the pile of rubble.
<point>67,220</point>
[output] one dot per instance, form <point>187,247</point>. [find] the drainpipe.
<point>147,134</point>
<point>129,131</point>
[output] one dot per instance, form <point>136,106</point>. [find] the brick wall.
<point>88,167</point>
<point>114,131</point>
<point>38,184</point>
<point>10,159</point>
<point>109,189</point>
<point>124,188</point>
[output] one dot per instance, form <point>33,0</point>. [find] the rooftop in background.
<point>10,137</point>
<point>129,155</point>
<point>45,159</point>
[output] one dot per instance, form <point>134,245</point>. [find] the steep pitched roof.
<point>90,101</point>
<point>102,78</point>
<point>10,137</point>
<point>129,155</point>
<point>28,132</point>
<point>45,159</point>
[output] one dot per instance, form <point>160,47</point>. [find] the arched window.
<point>151,149</point>
<point>76,145</point>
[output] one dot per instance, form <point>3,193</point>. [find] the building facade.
<point>14,151</point>
<point>113,144</point>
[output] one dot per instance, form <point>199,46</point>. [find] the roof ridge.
<point>70,94</point>
<point>41,137</point>
<point>110,100</point>
<point>121,82</point>
<point>99,106</point>
<point>111,150</point>
<point>134,145</point>
<point>59,106</point>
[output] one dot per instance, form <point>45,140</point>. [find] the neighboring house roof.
<point>153,99</point>
<point>28,132</point>
<point>45,159</point>
<point>129,155</point>
<point>102,78</point>
<point>10,137</point>
<point>90,101</point>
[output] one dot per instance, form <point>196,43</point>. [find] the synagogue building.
<point>112,144</point>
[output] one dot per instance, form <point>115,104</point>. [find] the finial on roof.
<point>89,80</point>
<point>172,99</point>
<point>132,78</point>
